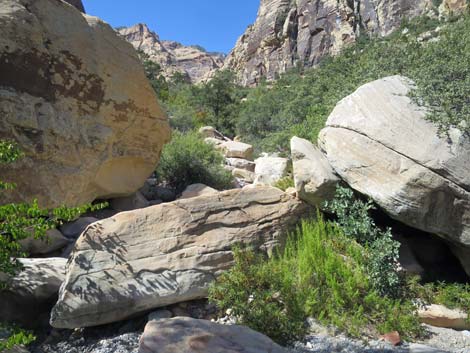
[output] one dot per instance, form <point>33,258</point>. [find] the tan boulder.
<point>186,335</point>
<point>74,96</point>
<point>315,179</point>
<point>166,254</point>
<point>233,149</point>
<point>244,174</point>
<point>196,190</point>
<point>441,316</point>
<point>241,163</point>
<point>53,241</point>
<point>269,170</point>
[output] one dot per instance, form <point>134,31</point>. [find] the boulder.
<point>72,230</point>
<point>269,170</point>
<point>152,191</point>
<point>244,175</point>
<point>380,143</point>
<point>440,316</point>
<point>129,203</point>
<point>210,132</point>
<point>185,335</point>
<point>75,98</point>
<point>31,294</point>
<point>241,163</point>
<point>196,190</point>
<point>315,180</point>
<point>53,241</point>
<point>213,141</point>
<point>452,7</point>
<point>165,254</point>
<point>233,149</point>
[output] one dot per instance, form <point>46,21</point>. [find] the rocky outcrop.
<point>31,294</point>
<point>315,180</point>
<point>196,190</point>
<point>441,316</point>
<point>173,57</point>
<point>379,142</point>
<point>75,98</point>
<point>191,335</point>
<point>77,4</point>
<point>165,254</point>
<point>288,33</point>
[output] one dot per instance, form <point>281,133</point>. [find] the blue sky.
<point>213,24</point>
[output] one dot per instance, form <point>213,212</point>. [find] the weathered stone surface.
<point>233,149</point>
<point>33,291</point>
<point>196,190</point>
<point>129,203</point>
<point>55,240</point>
<point>241,163</point>
<point>165,254</point>
<point>381,145</point>
<point>209,131</point>
<point>244,174</point>
<point>75,98</point>
<point>269,170</point>
<point>301,32</point>
<point>452,7</point>
<point>77,4</point>
<point>192,61</point>
<point>440,316</point>
<point>187,335</point>
<point>315,180</point>
<point>73,229</point>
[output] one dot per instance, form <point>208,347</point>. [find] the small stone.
<point>392,337</point>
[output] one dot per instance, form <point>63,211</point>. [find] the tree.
<point>20,221</point>
<point>154,74</point>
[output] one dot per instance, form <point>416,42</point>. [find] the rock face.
<point>55,240</point>
<point>173,57</point>
<point>270,170</point>
<point>33,291</point>
<point>77,4</point>
<point>196,190</point>
<point>75,98</point>
<point>288,33</point>
<point>314,178</point>
<point>378,141</point>
<point>187,335</point>
<point>165,254</point>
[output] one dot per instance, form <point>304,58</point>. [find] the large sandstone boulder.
<point>379,142</point>
<point>185,335</point>
<point>441,316</point>
<point>233,149</point>
<point>32,292</point>
<point>196,190</point>
<point>75,98</point>
<point>165,254</point>
<point>53,241</point>
<point>315,180</point>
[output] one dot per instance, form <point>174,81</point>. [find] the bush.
<point>355,221</point>
<point>15,337</point>
<point>187,160</point>
<point>321,274</point>
<point>285,183</point>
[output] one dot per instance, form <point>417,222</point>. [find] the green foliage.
<point>300,101</point>
<point>285,183</point>
<point>321,274</point>
<point>154,74</point>
<point>20,221</point>
<point>354,219</point>
<point>14,337</point>
<point>187,160</point>
<point>216,103</point>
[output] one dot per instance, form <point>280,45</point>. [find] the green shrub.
<point>15,336</point>
<point>187,160</point>
<point>285,183</point>
<point>321,274</point>
<point>354,219</point>
<point>19,221</point>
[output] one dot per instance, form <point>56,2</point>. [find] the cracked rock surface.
<point>379,142</point>
<point>75,98</point>
<point>165,254</point>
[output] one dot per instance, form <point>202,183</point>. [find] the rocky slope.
<point>300,32</point>
<point>172,56</point>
